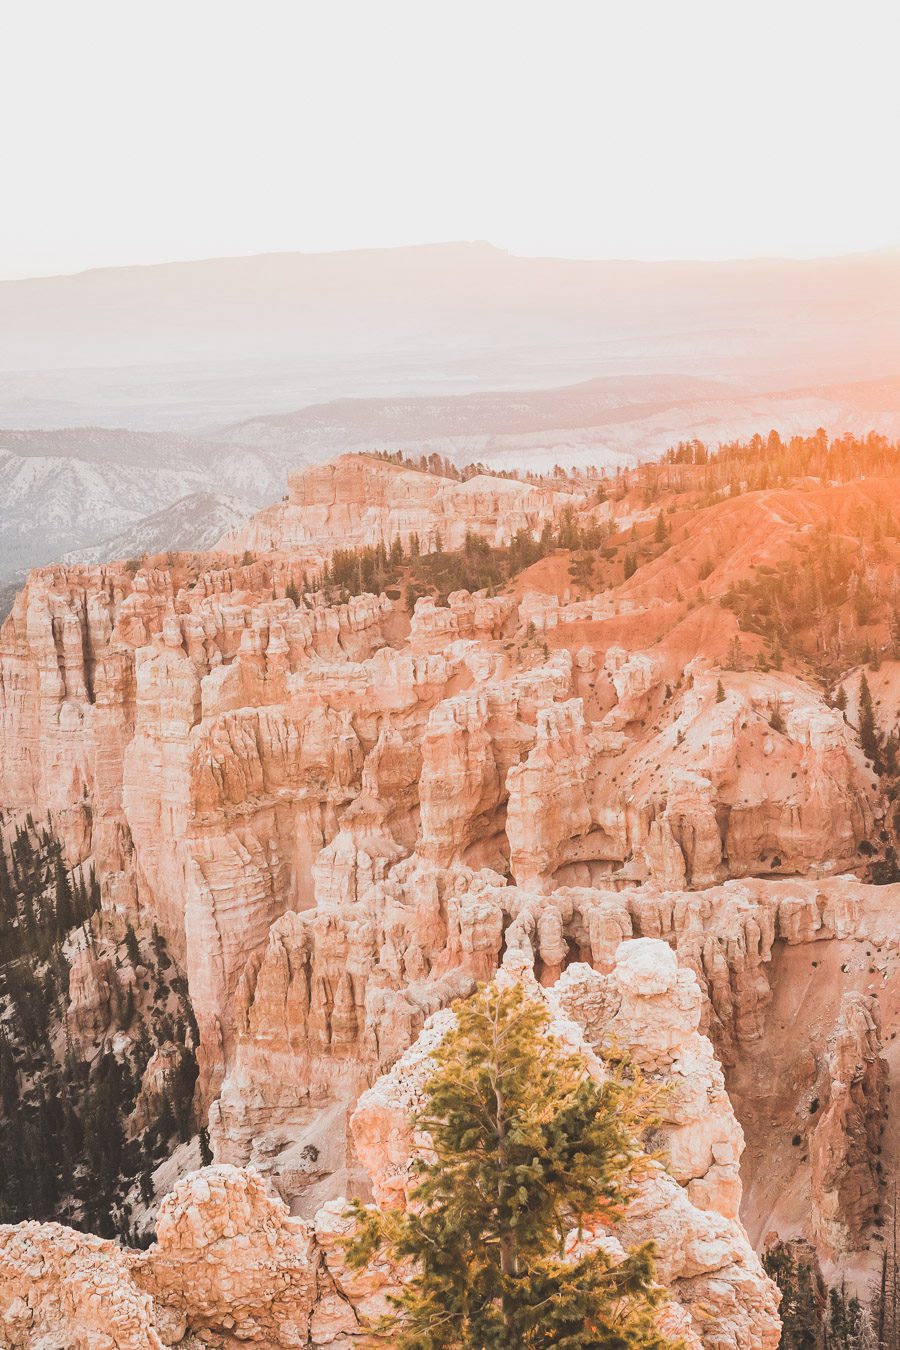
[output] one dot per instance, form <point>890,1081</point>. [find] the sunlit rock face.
<point>230,1261</point>
<point>649,1007</point>
<point>356,501</point>
<point>342,817</point>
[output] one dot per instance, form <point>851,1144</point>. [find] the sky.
<point>137,132</point>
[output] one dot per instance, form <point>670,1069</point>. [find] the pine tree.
<point>720,692</point>
<point>131,945</point>
<point>849,1327</point>
<point>525,1148</point>
<point>802,1299</point>
<point>581,569</point>
<point>206,1153</point>
<point>65,904</point>
<point>868,734</point>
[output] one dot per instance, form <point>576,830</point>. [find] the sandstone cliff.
<point>357,500</point>
<point>232,1267</point>
<point>344,816</point>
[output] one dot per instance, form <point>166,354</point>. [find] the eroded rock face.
<point>156,1085</point>
<point>649,1007</point>
<point>224,756</point>
<point>62,1288</point>
<point>230,1262</point>
<point>227,1257</point>
<point>356,501</point>
<point>98,996</point>
<point>342,817</point>
<point>845,1144</point>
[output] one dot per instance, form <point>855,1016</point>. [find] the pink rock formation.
<point>648,1007</point>
<point>156,1086</point>
<point>230,1262</point>
<point>342,816</point>
<point>228,1258</point>
<point>98,994</point>
<point>356,501</point>
<point>845,1143</point>
<point>62,1288</point>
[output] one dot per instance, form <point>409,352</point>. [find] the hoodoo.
<point>280,806</point>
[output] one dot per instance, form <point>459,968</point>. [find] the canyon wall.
<point>343,817</point>
<point>230,1263</point>
<point>359,501</point>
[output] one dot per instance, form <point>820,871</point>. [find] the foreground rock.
<point>229,1262</point>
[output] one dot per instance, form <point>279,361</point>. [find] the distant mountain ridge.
<point>607,420</point>
<point>192,524</point>
<point>181,345</point>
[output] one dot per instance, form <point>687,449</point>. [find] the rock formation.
<point>341,817</point>
<point>230,1262</point>
<point>845,1144</point>
<point>357,500</point>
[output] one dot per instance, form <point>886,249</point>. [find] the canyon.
<point>340,813</point>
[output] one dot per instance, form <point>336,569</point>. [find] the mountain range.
<point>183,346</point>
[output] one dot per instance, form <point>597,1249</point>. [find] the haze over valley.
<point>223,376</point>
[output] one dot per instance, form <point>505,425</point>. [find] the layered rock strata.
<point>356,501</point>
<point>230,1264</point>
<point>343,817</point>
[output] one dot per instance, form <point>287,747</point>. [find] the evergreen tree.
<point>131,945</point>
<point>868,734</point>
<point>802,1300</point>
<point>65,901</point>
<point>206,1153</point>
<point>849,1327</point>
<point>720,692</point>
<point>525,1148</point>
<point>581,569</point>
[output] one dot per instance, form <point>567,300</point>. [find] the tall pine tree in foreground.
<point>526,1148</point>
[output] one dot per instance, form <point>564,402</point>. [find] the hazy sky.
<point>143,130</point>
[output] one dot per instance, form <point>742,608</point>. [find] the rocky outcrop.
<point>357,501</point>
<point>62,1288</point>
<point>342,990</point>
<point>338,993</point>
<point>228,1258</point>
<point>99,995</point>
<point>846,1143</point>
<point>649,1008</point>
<point>156,1087</point>
<point>229,1261</point>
